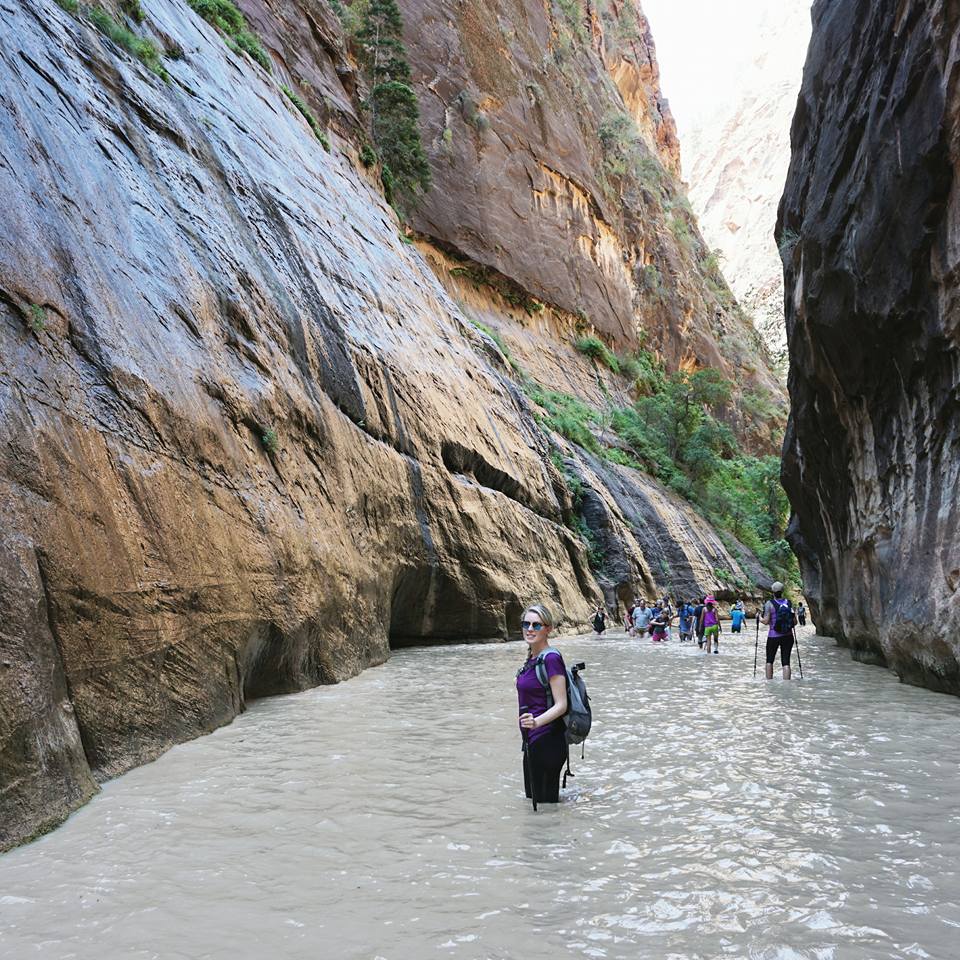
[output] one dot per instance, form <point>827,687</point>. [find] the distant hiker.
<point>738,605</point>
<point>801,614</point>
<point>641,618</point>
<point>737,616</point>
<point>710,620</point>
<point>698,621</point>
<point>779,615</point>
<point>600,621</point>
<point>666,608</point>
<point>658,625</point>
<point>542,726</point>
<point>629,619</point>
<point>685,620</point>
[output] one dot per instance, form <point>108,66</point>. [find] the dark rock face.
<point>651,541</point>
<point>869,234</point>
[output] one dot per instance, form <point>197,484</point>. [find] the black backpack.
<point>578,717</point>
<point>784,621</point>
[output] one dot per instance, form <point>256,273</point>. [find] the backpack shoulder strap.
<point>541,666</point>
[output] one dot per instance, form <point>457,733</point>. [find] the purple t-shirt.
<point>532,694</point>
<point>710,617</point>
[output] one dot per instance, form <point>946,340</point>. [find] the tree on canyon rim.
<point>395,112</point>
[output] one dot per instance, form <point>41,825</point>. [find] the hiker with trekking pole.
<point>779,616</point>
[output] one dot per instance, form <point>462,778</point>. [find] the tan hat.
<point>776,587</point>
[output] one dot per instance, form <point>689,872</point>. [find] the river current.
<point>714,816</point>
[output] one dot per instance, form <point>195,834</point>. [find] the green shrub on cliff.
<point>314,124</point>
<point>376,31</point>
<point>406,171</point>
<point>143,49</point>
<point>270,441</point>
<point>643,369</point>
<point>567,415</point>
<point>351,15</point>
<point>626,158</point>
<point>788,240</point>
<point>133,10</point>
<point>380,42</point>
<point>573,13</point>
<point>38,318</point>
<point>650,280</point>
<point>494,336</point>
<point>237,35</point>
<point>596,349</point>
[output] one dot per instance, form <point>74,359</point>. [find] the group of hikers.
<point>554,707</point>
<point>698,618</point>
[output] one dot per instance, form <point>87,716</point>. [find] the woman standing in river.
<point>778,637</point>
<point>542,709</point>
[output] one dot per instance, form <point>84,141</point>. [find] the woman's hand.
<point>528,721</point>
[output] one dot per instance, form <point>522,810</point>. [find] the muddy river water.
<point>714,816</point>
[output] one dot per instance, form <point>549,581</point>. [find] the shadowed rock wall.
<point>869,230</point>
<point>651,542</point>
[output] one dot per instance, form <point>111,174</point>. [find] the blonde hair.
<point>546,617</point>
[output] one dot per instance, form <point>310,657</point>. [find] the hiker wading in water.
<point>783,637</point>
<point>710,624</point>
<point>542,725</point>
<point>641,618</point>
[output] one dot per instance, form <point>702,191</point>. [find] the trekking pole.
<point>756,647</point>
<point>526,760</point>
<point>797,645</point>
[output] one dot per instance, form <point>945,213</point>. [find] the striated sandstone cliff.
<point>869,230</point>
<point>247,440</point>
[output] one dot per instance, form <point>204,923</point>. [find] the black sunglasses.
<point>534,625</point>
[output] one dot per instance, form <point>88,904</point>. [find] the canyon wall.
<point>736,156</point>
<point>248,440</point>
<point>870,233</point>
<point>539,181</point>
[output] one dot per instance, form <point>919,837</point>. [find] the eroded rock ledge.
<point>869,232</point>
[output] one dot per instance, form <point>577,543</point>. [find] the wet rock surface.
<point>247,442</point>
<point>868,228</point>
<point>653,543</point>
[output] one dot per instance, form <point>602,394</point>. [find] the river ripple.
<point>714,816</point>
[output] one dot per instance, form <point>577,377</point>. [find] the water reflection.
<point>713,816</point>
